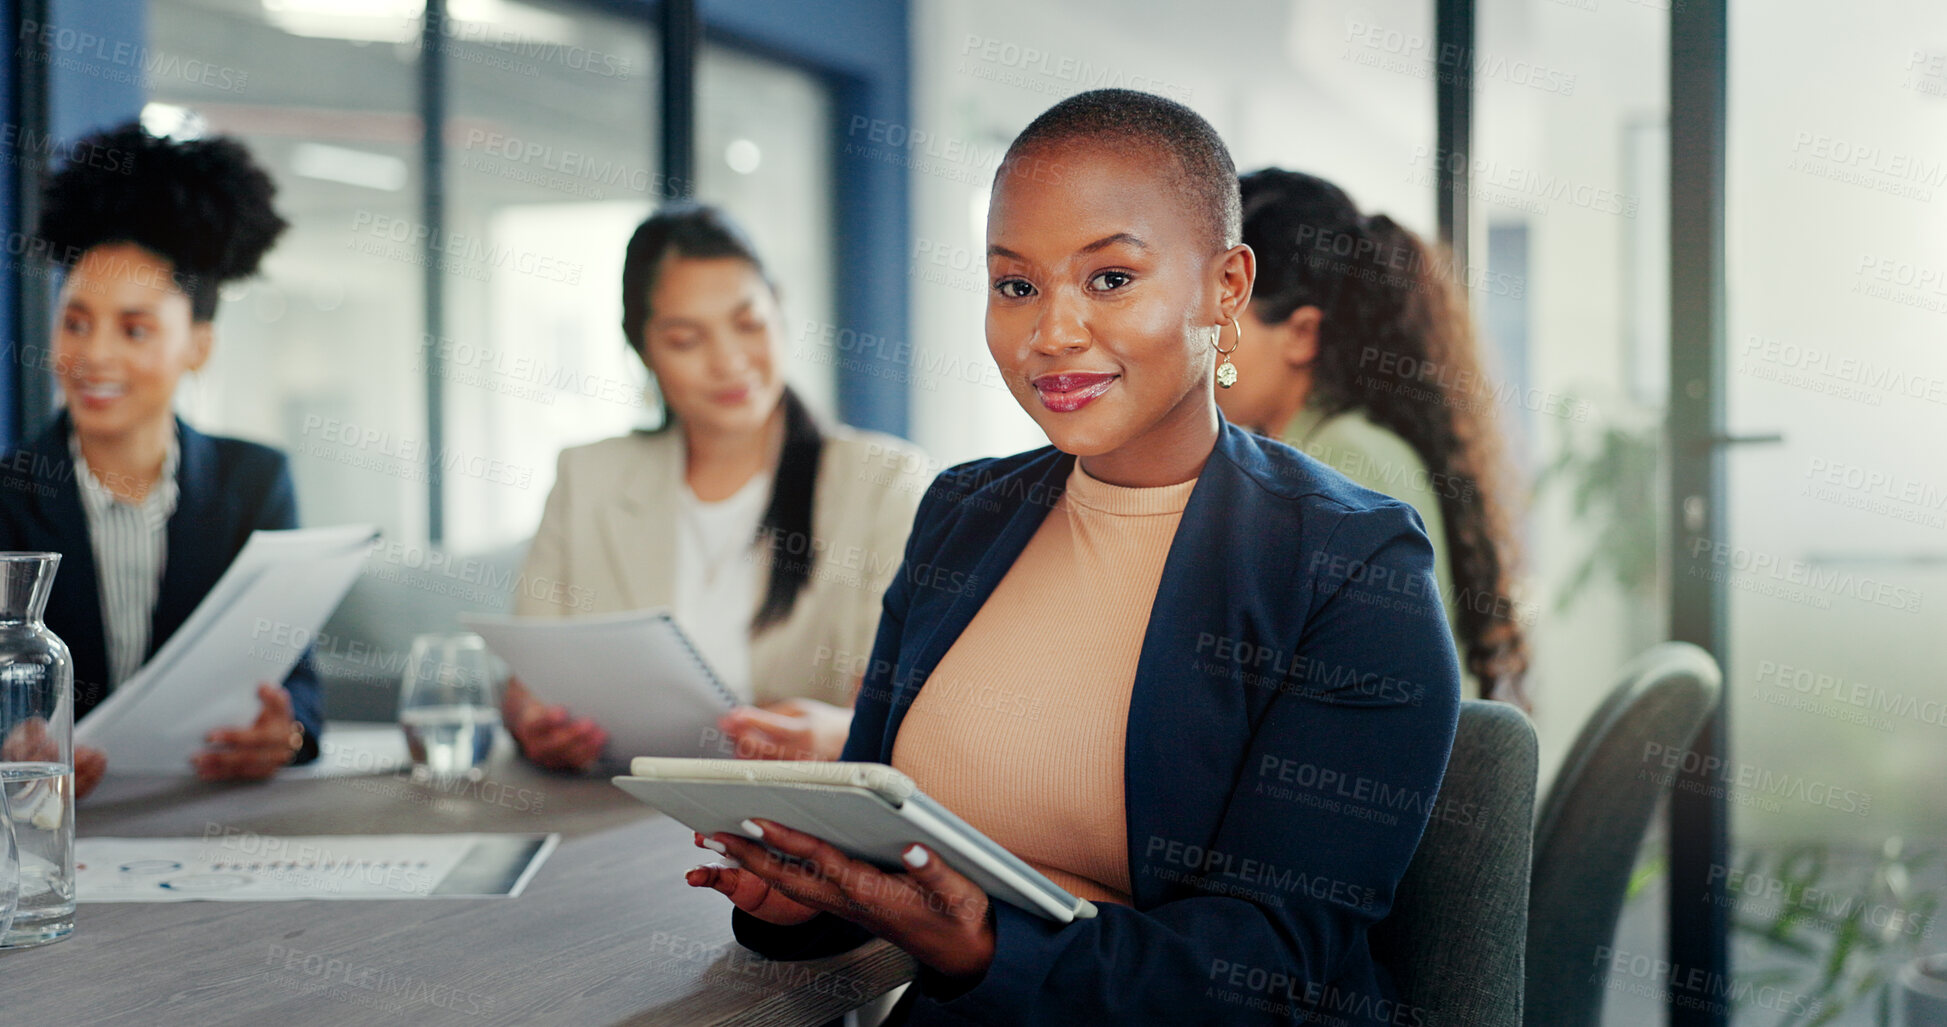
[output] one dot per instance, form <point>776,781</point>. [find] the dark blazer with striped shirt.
<point>226,488</point>
<point>1292,711</point>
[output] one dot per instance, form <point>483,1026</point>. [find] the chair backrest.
<point>1593,820</point>
<point>1454,936</point>
<point>402,595</point>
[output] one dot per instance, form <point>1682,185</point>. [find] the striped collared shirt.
<point>131,543</point>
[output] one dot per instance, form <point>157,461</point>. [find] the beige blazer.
<point>607,544</point>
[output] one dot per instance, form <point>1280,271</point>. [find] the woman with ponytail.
<point>1357,350</point>
<point>769,536</point>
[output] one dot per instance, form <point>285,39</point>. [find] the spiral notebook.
<point>636,674</point>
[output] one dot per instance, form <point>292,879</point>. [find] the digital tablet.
<point>869,810</point>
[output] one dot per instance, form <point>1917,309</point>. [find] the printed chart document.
<point>636,674</point>
<point>244,866</point>
<point>252,627</point>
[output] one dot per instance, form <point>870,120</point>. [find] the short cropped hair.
<point>203,205</point>
<point>1200,162</point>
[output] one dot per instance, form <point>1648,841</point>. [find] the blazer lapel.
<point>1013,519</point>
<point>74,608</point>
<point>204,535</point>
<point>639,528</point>
<point>1188,708</point>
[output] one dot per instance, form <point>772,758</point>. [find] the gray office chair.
<point>1592,823</point>
<point>365,643</point>
<point>1455,932</point>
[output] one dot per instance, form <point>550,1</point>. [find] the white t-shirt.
<point>717,580</point>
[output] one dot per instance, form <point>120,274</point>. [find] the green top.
<point>1350,443</point>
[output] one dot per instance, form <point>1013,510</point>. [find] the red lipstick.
<point>1065,392</point>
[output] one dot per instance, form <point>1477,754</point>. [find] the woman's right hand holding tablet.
<point>548,735</point>
<point>787,877</point>
<point>750,893</point>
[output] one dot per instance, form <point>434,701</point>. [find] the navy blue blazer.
<point>226,488</point>
<point>1293,708</point>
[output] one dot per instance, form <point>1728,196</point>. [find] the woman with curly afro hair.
<point>146,511</point>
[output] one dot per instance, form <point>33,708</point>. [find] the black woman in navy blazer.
<point>1295,693</point>
<point>146,512</point>
<point>1297,632</point>
<point>228,488</point>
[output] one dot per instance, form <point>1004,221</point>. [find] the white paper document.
<point>636,674</point>
<point>353,749</point>
<point>251,627</point>
<point>243,866</point>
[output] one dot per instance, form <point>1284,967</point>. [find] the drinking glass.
<point>447,707</point>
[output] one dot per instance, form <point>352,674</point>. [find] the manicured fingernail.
<point>716,846</point>
<point>915,857</point>
<point>750,828</point>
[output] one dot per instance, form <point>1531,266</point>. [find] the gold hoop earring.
<point>1227,371</point>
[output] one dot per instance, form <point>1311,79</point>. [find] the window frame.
<point>870,218</point>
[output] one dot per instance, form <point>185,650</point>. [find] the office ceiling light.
<point>743,156</point>
<point>515,22</point>
<point>351,167</point>
<point>167,119</point>
<point>399,21</point>
<point>977,219</point>
<point>361,21</point>
<point>476,10</point>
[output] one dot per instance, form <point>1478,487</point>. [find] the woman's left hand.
<point>790,729</point>
<point>255,752</point>
<point>930,910</point>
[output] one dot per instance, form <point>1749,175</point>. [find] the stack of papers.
<point>251,628</point>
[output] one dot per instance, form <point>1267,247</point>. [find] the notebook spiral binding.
<point>723,690</point>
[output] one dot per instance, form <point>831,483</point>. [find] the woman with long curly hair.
<point>1358,351</point>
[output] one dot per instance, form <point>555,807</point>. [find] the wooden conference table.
<point>605,933</point>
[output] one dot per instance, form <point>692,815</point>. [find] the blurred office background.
<point>461,178</point>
